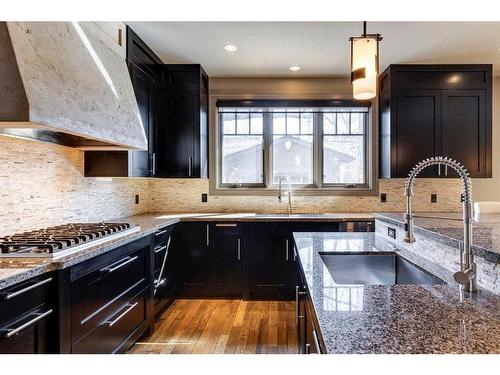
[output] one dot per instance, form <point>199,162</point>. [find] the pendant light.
<point>364,64</point>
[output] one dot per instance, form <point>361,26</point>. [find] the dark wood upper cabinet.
<point>182,122</point>
<point>435,110</point>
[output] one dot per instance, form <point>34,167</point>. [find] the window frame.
<point>369,187</point>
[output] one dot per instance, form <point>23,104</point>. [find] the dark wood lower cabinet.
<point>271,261</point>
<point>164,270</point>
<point>308,334</point>
<point>229,254</point>
<point>27,317</point>
<point>106,303</point>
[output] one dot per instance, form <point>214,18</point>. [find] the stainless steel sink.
<point>375,269</point>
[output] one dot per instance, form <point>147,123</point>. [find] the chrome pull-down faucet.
<point>467,274</point>
<point>287,178</point>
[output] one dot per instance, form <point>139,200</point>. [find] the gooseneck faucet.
<point>467,274</point>
<point>287,178</point>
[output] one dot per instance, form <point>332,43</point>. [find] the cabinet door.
<point>271,261</point>
<point>192,248</point>
<point>143,88</point>
<point>182,115</point>
<point>417,130</point>
<point>464,129</point>
<point>228,248</point>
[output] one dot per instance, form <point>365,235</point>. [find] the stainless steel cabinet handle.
<point>238,246</point>
<point>161,232</point>
<point>15,331</point>
<point>446,170</point>
<point>27,289</point>
<point>316,341</point>
<point>286,250</point>
<point>113,322</point>
<point>308,348</point>
<point>190,166</point>
<point>113,267</point>
<point>439,169</point>
<point>226,225</point>
<point>162,269</point>
<point>154,164</point>
<point>159,249</point>
<point>208,235</point>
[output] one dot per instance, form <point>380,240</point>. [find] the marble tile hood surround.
<point>68,83</point>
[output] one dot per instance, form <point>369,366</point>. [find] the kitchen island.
<point>387,319</point>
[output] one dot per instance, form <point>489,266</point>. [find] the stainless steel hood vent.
<point>68,83</point>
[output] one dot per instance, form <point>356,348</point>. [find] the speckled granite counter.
<point>485,237</point>
<point>394,318</point>
<point>14,270</point>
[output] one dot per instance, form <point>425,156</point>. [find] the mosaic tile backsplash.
<point>43,184</point>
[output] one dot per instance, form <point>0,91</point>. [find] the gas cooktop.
<point>61,240</point>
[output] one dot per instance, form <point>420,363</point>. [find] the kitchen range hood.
<point>68,83</point>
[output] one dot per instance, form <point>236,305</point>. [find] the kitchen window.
<point>318,146</point>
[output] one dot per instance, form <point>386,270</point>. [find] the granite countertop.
<point>485,235</point>
<point>15,270</point>
<point>272,217</point>
<point>394,318</point>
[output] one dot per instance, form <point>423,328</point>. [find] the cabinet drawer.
<point>160,238</point>
<point>20,298</point>
<point>115,328</point>
<point>94,294</point>
<point>26,334</point>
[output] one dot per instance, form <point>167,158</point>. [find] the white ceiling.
<point>320,48</point>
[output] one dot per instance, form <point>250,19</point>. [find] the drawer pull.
<point>111,323</point>
<point>226,225</point>
<point>113,267</point>
<point>27,289</point>
<point>15,331</point>
<point>286,250</point>
<point>159,249</point>
<point>161,232</point>
<point>238,242</point>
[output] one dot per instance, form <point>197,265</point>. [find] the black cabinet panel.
<point>418,115</point>
<point>192,253</point>
<point>229,249</point>
<point>27,317</point>
<point>464,129</point>
<point>435,110</point>
<point>271,261</point>
<point>182,122</point>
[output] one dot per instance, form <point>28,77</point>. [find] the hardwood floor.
<point>223,326</point>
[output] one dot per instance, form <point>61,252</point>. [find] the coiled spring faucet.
<point>467,274</point>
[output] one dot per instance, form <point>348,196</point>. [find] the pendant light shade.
<point>365,65</point>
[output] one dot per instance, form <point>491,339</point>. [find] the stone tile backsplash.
<point>43,184</point>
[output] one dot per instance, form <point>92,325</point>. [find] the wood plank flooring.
<point>200,326</point>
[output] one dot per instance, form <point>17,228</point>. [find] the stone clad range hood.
<point>68,83</point>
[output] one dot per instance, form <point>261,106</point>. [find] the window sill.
<point>298,191</point>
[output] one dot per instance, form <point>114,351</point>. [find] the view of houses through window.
<point>292,137</point>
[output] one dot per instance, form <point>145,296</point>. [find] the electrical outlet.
<point>383,197</point>
<point>204,197</point>
<point>137,199</point>
<point>391,232</point>
<point>434,198</point>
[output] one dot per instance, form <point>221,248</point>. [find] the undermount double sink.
<point>384,268</point>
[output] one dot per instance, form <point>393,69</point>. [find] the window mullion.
<point>267,131</point>
<point>318,149</point>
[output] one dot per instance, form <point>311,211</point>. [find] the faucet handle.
<point>464,277</point>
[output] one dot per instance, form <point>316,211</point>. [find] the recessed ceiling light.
<point>230,48</point>
<point>295,68</point>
